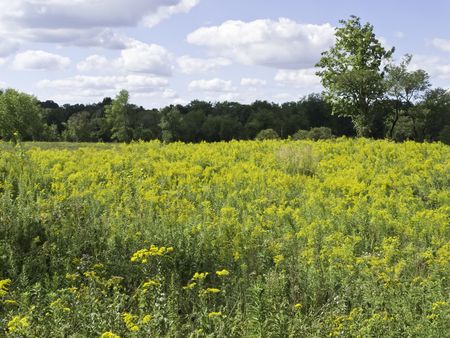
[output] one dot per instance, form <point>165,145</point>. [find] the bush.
<point>319,133</point>
<point>267,134</point>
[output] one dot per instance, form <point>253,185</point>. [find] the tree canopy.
<point>352,73</point>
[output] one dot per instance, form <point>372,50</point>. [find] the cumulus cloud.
<point>8,47</point>
<point>434,66</point>
<point>190,65</point>
<point>251,82</point>
<point>212,85</point>
<point>303,78</point>
<point>93,63</point>
<point>441,44</point>
<point>138,57</point>
<point>39,60</point>
<point>99,85</point>
<point>83,22</point>
<point>163,12</point>
<point>146,58</point>
<point>281,44</point>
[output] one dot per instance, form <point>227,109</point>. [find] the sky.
<point>174,51</point>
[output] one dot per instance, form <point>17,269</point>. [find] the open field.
<point>344,237</point>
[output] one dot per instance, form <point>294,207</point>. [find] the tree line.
<point>365,94</point>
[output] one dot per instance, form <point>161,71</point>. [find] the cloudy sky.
<point>174,51</point>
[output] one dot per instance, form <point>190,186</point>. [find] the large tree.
<point>20,116</point>
<point>352,73</point>
<point>404,89</point>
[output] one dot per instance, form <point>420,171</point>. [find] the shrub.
<point>267,134</point>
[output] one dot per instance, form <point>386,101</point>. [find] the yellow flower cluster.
<point>18,324</point>
<point>109,334</point>
<point>222,273</point>
<point>129,321</point>
<point>4,285</point>
<point>143,254</point>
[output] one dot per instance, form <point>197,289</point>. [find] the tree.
<point>20,114</point>
<point>405,88</point>
<point>117,116</point>
<point>352,73</point>
<point>170,124</point>
<point>80,128</point>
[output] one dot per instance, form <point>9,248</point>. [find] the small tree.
<point>20,115</point>
<point>352,73</point>
<point>117,116</point>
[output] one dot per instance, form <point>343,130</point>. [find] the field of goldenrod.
<point>242,239</point>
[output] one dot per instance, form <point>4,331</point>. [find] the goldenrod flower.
<point>190,286</point>
<point>4,284</point>
<point>212,290</point>
<point>146,319</point>
<point>214,314</point>
<point>222,273</point>
<point>200,276</point>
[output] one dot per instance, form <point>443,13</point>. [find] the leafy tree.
<point>170,124</point>
<point>405,88</point>
<point>117,116</point>
<point>267,134</point>
<point>80,128</point>
<point>352,73</point>
<point>20,114</point>
<point>437,121</point>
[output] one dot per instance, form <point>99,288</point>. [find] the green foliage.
<point>20,115</point>
<point>267,134</point>
<point>352,73</point>
<point>405,88</point>
<point>318,133</point>
<point>117,116</point>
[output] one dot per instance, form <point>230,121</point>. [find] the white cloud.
<point>190,65</point>
<point>8,46</point>
<point>97,85</point>
<point>93,63</point>
<point>144,58</point>
<point>3,84</point>
<point>212,85</point>
<point>39,60</point>
<point>250,82</point>
<point>281,44</point>
<point>138,57</point>
<point>183,6</point>
<point>441,44</point>
<point>399,35</point>
<point>302,78</point>
<point>83,22</point>
<point>434,66</point>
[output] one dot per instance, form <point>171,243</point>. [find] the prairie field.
<point>337,238</point>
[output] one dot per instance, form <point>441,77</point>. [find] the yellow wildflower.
<point>109,334</point>
<point>146,319</point>
<point>212,290</point>
<point>190,286</point>
<point>222,273</point>
<point>18,324</point>
<point>200,276</point>
<point>4,284</point>
<point>150,283</point>
<point>214,314</point>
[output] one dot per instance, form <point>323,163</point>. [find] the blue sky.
<point>174,51</point>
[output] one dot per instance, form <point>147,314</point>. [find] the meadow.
<point>336,238</point>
